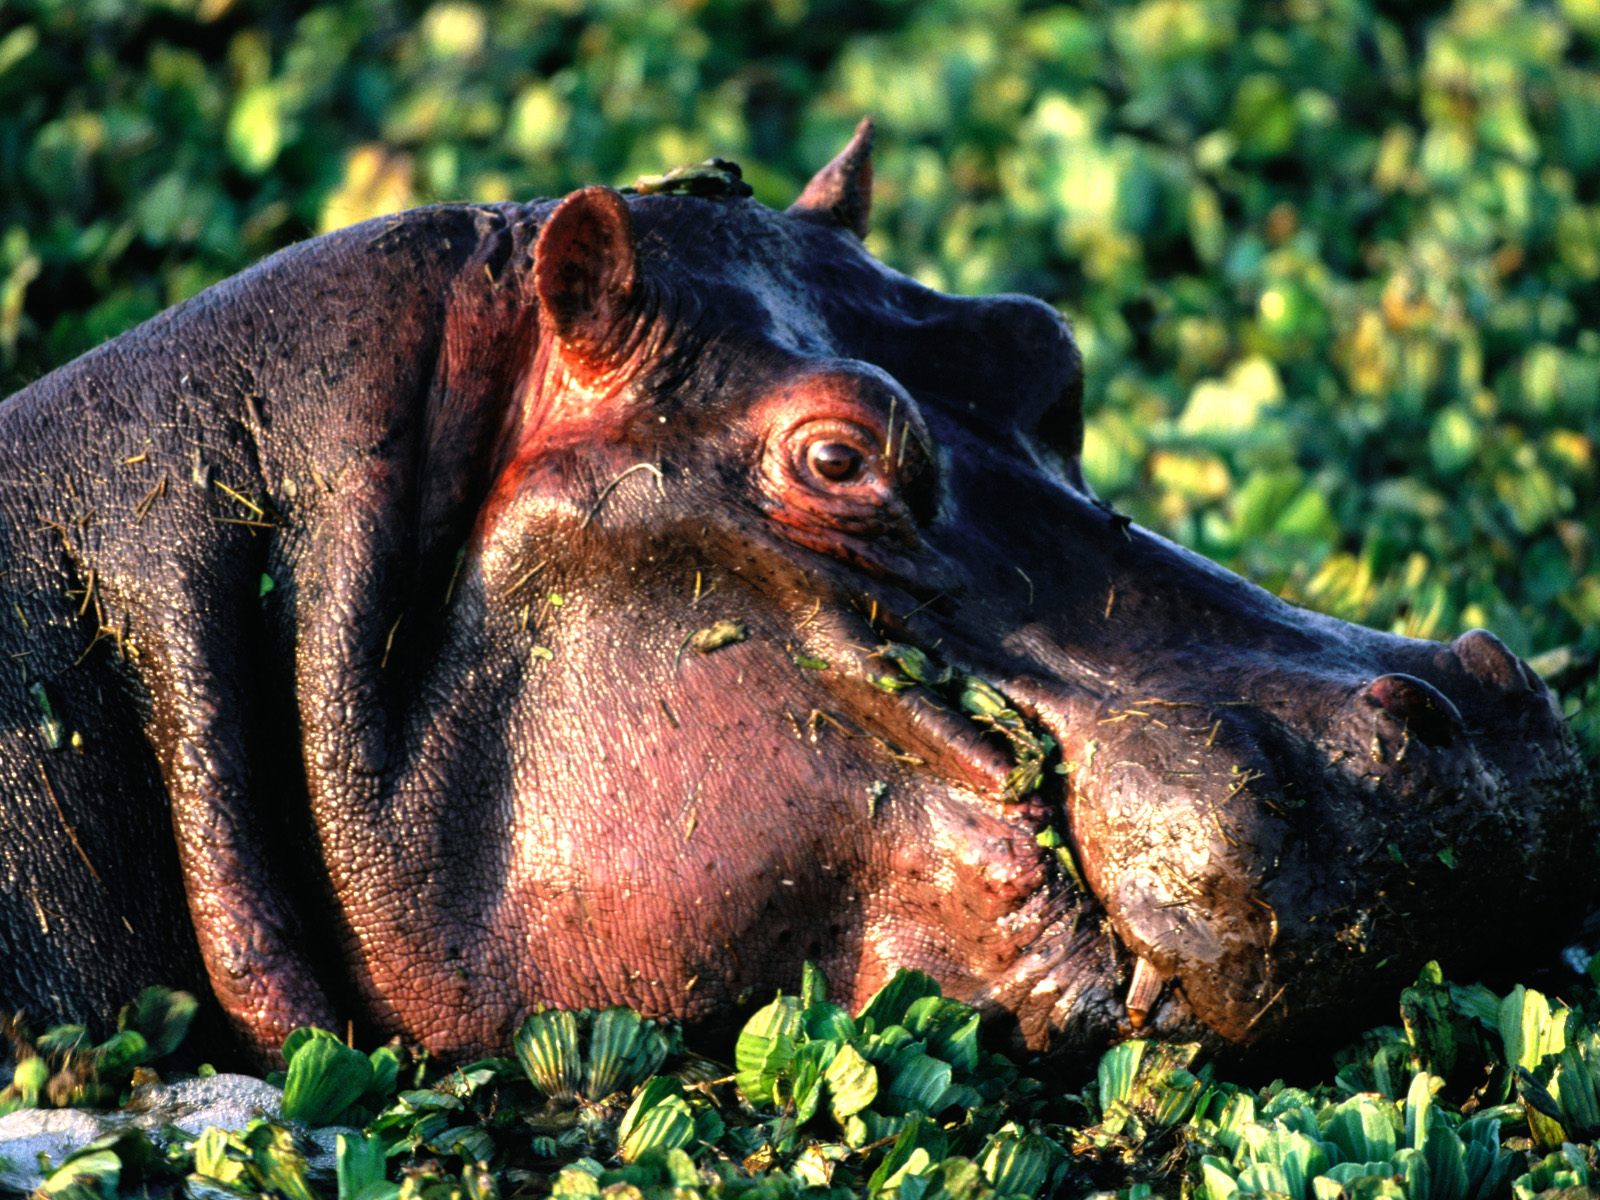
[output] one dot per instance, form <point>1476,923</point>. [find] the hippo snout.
<point>1278,844</point>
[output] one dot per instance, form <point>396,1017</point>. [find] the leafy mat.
<point>1473,1095</point>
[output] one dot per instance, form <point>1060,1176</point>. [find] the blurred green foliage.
<point>1335,266</point>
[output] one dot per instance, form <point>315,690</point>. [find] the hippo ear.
<point>841,193</point>
<point>585,268</point>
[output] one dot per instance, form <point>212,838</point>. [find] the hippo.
<point>628,598</point>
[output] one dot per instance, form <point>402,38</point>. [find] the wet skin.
<point>501,464</point>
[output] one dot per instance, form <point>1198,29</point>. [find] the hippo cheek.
<point>968,895</point>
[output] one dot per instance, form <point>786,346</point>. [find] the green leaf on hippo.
<point>325,1077</point>
<point>916,665</point>
<point>51,728</point>
<point>979,699</point>
<point>765,1049</point>
<point>889,1003</point>
<point>713,177</point>
<point>717,635</point>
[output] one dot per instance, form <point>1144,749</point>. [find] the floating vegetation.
<point>64,1068</point>
<point>328,1083</point>
<point>590,1054</point>
<point>1474,1096</point>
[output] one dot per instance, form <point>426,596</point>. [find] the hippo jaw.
<point>1232,858</point>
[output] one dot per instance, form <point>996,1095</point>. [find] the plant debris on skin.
<point>714,637</point>
<point>1477,1096</point>
<point>717,635</point>
<point>714,178</point>
<point>981,702</point>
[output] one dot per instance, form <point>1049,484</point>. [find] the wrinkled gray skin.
<point>499,464</point>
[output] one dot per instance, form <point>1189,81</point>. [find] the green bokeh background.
<point>1335,266</point>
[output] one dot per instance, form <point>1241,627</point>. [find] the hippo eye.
<point>836,462</point>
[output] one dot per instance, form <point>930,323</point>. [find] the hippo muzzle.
<point>1269,811</point>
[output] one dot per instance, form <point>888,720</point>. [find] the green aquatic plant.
<point>899,1100</point>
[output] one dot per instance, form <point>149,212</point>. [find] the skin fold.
<point>351,613</point>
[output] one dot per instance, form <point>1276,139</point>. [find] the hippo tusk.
<point>1143,991</point>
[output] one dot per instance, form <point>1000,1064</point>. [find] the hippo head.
<point>790,629</point>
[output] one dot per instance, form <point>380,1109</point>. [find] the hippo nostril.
<point>1419,706</point>
<point>1486,658</point>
